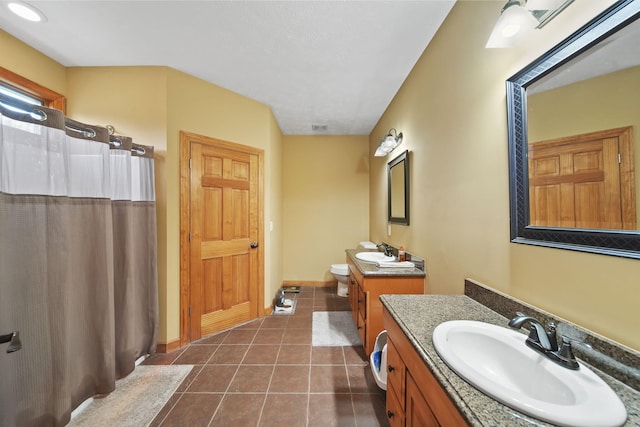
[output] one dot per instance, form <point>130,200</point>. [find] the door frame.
<point>186,138</point>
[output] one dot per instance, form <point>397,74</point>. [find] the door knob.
<point>254,245</point>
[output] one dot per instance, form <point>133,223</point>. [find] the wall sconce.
<point>389,143</point>
<point>518,17</point>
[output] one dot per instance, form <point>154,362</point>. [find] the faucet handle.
<point>570,341</point>
<point>566,353</point>
<point>551,334</point>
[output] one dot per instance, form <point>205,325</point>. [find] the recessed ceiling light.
<point>26,11</point>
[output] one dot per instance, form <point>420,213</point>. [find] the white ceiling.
<point>334,63</point>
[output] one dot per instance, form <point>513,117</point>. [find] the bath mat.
<point>137,399</point>
<point>334,329</point>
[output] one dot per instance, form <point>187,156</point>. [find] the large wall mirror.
<point>574,140</point>
<point>398,192</point>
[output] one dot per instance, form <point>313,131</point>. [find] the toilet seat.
<point>341,269</point>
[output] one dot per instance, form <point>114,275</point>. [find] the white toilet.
<point>341,271</point>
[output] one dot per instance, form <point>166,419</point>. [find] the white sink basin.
<point>496,360</point>
<point>373,257</point>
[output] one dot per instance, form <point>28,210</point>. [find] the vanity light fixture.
<point>389,143</point>
<point>26,11</point>
<point>518,17</point>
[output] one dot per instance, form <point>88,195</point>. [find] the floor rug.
<point>137,399</point>
<point>333,329</point>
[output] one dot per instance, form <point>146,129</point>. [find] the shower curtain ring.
<point>42,115</point>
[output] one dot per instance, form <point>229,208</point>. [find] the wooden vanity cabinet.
<point>414,396</point>
<point>364,299</point>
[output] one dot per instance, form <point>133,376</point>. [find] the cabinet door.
<point>353,296</point>
<point>395,414</point>
<point>362,302</point>
<point>418,413</point>
<point>395,373</point>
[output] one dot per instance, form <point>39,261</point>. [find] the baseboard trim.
<point>314,283</point>
<point>168,347</point>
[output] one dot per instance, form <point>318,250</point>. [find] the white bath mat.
<point>334,329</point>
<point>137,399</point>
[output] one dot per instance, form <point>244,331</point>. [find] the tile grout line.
<point>266,394</point>
<point>224,395</point>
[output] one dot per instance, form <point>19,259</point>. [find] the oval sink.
<point>496,360</point>
<point>373,257</point>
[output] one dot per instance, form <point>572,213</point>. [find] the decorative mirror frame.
<point>623,243</point>
<point>402,158</point>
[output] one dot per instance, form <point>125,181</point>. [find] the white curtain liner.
<point>68,166</point>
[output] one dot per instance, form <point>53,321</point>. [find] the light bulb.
<point>26,11</point>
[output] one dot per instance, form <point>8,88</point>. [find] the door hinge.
<point>619,159</point>
<point>190,163</point>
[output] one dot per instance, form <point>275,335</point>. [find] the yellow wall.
<point>28,62</point>
<point>601,103</point>
<point>273,199</point>
<point>325,193</point>
<point>452,112</point>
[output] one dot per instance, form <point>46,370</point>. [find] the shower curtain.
<point>77,262</point>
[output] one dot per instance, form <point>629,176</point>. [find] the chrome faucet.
<point>388,251</point>
<point>537,335</point>
<point>544,341</point>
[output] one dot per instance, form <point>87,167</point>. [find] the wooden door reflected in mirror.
<point>583,181</point>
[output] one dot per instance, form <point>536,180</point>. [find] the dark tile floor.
<point>267,373</point>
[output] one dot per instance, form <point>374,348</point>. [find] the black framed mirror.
<point>398,189</point>
<point>584,49</point>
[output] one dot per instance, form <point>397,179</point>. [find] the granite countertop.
<point>370,269</point>
<point>418,315</point>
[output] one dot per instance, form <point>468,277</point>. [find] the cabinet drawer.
<point>396,372</point>
<point>395,414</point>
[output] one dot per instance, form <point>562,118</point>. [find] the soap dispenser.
<point>401,254</point>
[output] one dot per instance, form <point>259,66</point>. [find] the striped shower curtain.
<point>77,261</point>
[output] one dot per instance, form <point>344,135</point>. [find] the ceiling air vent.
<point>319,128</point>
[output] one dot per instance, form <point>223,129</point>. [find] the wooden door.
<point>224,233</point>
<point>584,181</point>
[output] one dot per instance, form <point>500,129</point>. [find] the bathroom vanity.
<point>423,390</point>
<point>366,283</point>
<point>414,396</point>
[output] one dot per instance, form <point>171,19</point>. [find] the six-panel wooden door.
<point>224,271</point>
